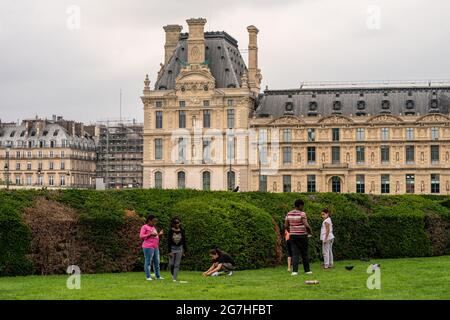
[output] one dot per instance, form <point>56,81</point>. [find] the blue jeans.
<point>151,255</point>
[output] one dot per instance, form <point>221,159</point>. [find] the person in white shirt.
<point>327,238</point>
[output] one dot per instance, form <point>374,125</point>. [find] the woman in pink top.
<point>150,246</point>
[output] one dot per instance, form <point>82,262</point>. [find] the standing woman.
<point>176,241</point>
<point>150,246</point>
<point>327,238</point>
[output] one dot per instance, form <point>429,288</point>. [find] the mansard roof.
<point>222,57</point>
<point>356,100</point>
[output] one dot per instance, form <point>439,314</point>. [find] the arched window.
<point>158,180</point>
<point>206,180</point>
<point>181,177</point>
<point>231,180</point>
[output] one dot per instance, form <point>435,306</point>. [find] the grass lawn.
<point>420,278</point>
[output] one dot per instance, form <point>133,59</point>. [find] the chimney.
<point>196,41</point>
<point>254,77</point>
<point>172,38</point>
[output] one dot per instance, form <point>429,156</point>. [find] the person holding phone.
<point>176,245</point>
<point>150,236</point>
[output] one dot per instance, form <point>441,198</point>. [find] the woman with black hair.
<point>221,262</point>
<point>176,243</point>
<point>150,245</point>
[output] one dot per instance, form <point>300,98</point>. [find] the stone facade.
<point>47,153</point>
<point>206,118</point>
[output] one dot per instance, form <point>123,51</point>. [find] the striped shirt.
<point>295,219</point>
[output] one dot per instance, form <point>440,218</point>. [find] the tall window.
<point>62,180</point>
<point>182,119</point>
<point>158,180</point>
<point>360,184</point>
<point>40,180</point>
<point>51,180</point>
<point>18,166</point>
<point>409,134</point>
<point>336,155</point>
<point>286,135</point>
<point>360,154</point>
<point>409,183</point>
<point>311,183</point>
<point>434,133</point>
<point>263,183</point>
<point>63,165</point>
<point>311,135</point>
<point>231,180</point>
<point>158,149</point>
<point>435,183</point>
<point>287,155</point>
<point>385,184</point>
<point>159,119</point>
<point>207,150</point>
<point>230,118</point>
<point>206,119</point>
<point>311,155</point>
<point>384,134</point>
<point>409,154</point>
<point>230,148</point>
<point>335,134</point>
<point>286,183</point>
<point>206,180</point>
<point>181,149</point>
<point>434,151</point>
<point>385,154</point>
<point>181,178</point>
<point>29,180</point>
<point>336,184</point>
<point>29,166</point>
<point>360,134</point>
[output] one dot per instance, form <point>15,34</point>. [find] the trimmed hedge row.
<point>247,225</point>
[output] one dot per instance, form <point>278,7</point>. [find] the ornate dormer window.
<point>385,104</point>
<point>289,108</point>
<point>361,105</point>
<point>410,104</point>
<point>434,104</point>
<point>337,105</point>
<point>313,106</point>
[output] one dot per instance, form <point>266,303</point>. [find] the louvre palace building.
<point>208,125</point>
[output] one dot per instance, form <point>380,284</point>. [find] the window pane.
<point>336,155</point>
<point>158,180</point>
<point>181,180</point>
<point>287,155</point>
<point>409,183</point>
<point>385,184</point>
<point>311,155</point>
<point>206,180</point>
<point>434,154</point>
<point>311,183</point>
<point>336,135</point>
<point>311,135</point>
<point>286,183</point>
<point>360,184</point>
<point>263,183</point>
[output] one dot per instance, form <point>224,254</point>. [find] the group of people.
<point>297,234</point>
<point>177,247</point>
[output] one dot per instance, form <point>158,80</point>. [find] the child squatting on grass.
<point>222,262</point>
<point>150,246</point>
<point>327,238</point>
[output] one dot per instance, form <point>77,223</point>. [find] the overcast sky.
<point>50,66</point>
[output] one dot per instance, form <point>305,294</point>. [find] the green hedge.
<point>248,225</point>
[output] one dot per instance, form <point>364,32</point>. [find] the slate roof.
<point>355,100</point>
<point>19,136</point>
<point>222,56</point>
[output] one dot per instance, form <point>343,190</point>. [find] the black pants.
<point>299,245</point>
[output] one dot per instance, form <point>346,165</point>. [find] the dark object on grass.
<point>349,268</point>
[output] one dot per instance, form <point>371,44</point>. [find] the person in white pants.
<point>327,238</point>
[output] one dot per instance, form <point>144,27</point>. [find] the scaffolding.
<point>120,153</point>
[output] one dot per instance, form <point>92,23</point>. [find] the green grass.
<point>420,278</point>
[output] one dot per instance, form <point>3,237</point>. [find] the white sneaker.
<point>215,274</point>
<point>309,272</point>
<point>160,278</point>
<point>149,279</point>
<point>231,273</point>
<point>174,280</point>
<point>294,274</point>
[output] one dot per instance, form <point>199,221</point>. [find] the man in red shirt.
<point>296,223</point>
